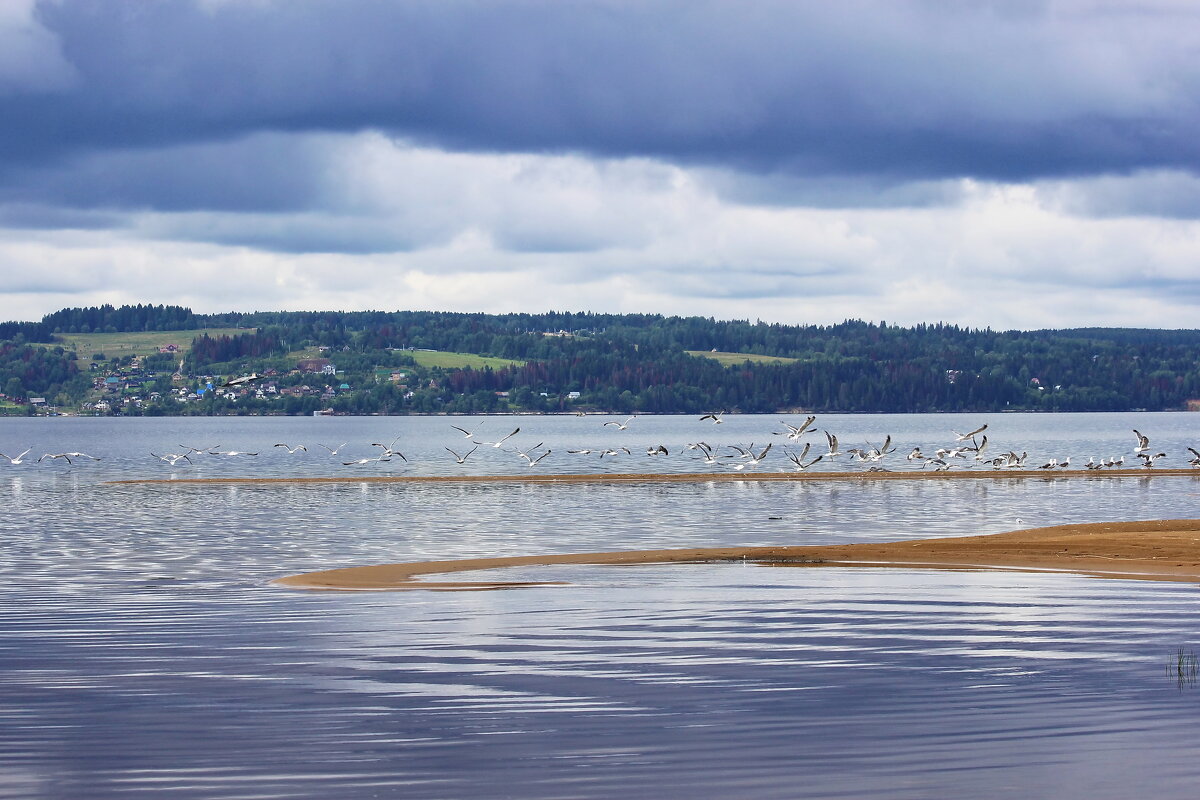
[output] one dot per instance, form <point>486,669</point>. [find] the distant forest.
<point>641,362</point>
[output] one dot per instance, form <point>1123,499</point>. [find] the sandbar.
<point>1166,550</point>
<point>689,477</point>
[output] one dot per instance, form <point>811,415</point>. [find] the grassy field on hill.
<point>444,360</point>
<point>140,343</point>
<point>733,359</point>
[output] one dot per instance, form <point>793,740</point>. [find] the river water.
<point>143,651</point>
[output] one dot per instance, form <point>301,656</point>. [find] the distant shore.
<point>1166,550</point>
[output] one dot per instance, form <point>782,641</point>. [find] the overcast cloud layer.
<point>1010,164</point>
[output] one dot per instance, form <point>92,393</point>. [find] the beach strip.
<point>687,477</point>
<point>1147,550</point>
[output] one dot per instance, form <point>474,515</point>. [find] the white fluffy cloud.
<point>402,226</point>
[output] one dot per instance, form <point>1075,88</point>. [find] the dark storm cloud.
<point>1002,90</point>
<point>264,172</point>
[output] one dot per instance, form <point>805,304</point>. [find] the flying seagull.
<point>333,451</point>
<point>172,458</point>
<point>962,437</point>
<point>19,458</point>
<point>503,439</point>
<point>253,376</point>
<point>621,425</point>
<point>461,458</point>
<point>293,450</point>
<point>1143,443</point>
<point>795,432</point>
<point>715,417</point>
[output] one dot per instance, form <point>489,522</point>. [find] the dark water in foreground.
<point>142,651</point>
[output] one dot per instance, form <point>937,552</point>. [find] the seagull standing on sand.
<point>1148,460</point>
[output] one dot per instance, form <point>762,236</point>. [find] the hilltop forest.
<point>603,362</point>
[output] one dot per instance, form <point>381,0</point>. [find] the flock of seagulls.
<point>962,450</point>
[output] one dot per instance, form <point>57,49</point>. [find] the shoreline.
<point>687,477</point>
<point>1167,550</point>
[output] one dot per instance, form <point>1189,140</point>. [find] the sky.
<point>1009,164</point>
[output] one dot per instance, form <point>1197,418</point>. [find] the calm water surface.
<point>144,653</point>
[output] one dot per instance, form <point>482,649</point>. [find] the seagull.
<point>611,452</point>
<point>1148,460</point>
<point>230,453</point>
<point>463,457</point>
<point>980,448</point>
<point>199,450</point>
<point>962,437</point>
<point>660,450</point>
<point>798,460</point>
<point>793,432</point>
<point>916,455</point>
<point>750,459</point>
<point>583,452</point>
<point>254,376</point>
<point>388,452</point>
<point>533,461</point>
<point>293,450</point>
<point>621,425</point>
<point>715,417</point>
<point>1143,443</point>
<point>525,453</point>
<point>172,458</point>
<point>466,433</point>
<point>708,456</point>
<point>69,456</point>
<point>833,445</point>
<point>503,439</point>
<point>19,458</point>
<point>333,451</point>
<point>367,460</point>
<point>1195,462</point>
<point>1113,461</point>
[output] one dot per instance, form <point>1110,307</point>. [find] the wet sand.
<point>1148,550</point>
<point>695,477</point>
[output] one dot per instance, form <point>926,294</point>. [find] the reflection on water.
<point>144,653</point>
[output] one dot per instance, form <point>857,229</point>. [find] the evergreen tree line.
<point>642,362</point>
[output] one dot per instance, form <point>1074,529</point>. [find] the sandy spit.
<point>1148,550</point>
<point>692,477</point>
